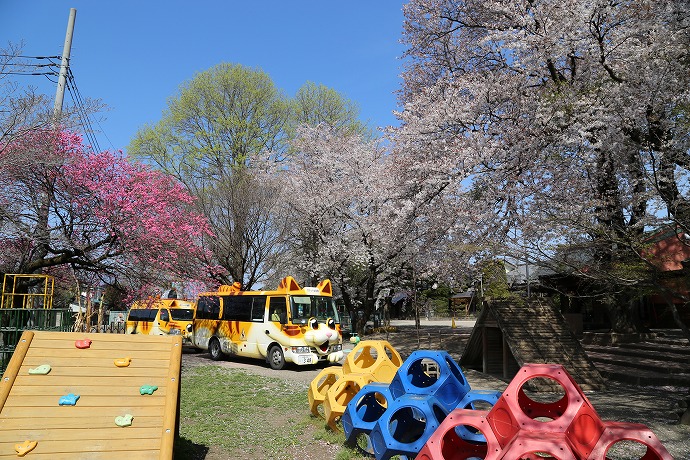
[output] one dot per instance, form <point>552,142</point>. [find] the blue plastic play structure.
<point>398,418</point>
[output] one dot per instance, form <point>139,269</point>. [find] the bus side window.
<point>258,308</point>
<point>237,308</point>
<point>208,307</point>
<point>164,315</point>
<point>278,309</point>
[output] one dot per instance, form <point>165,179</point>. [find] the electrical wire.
<point>29,57</point>
<point>74,84</point>
<point>23,64</point>
<point>71,86</point>
<point>30,73</point>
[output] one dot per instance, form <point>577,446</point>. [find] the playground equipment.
<point>68,395</point>
<point>27,304</point>
<point>334,387</point>
<point>399,418</point>
<point>518,426</point>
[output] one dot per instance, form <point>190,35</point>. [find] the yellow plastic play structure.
<point>69,395</point>
<point>331,390</point>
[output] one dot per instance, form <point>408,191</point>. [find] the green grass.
<point>248,416</point>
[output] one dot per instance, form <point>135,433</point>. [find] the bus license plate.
<point>304,360</point>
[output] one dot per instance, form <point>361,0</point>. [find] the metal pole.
<point>62,80</point>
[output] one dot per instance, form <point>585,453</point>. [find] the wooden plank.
<point>36,356</point>
<point>124,371</point>
<point>99,345</point>
<point>129,455</point>
<point>92,361</point>
<point>116,382</point>
<point>88,412</point>
<point>91,401</point>
<point>106,339</point>
<point>84,389</point>
<point>86,447</point>
<point>96,421</point>
<point>78,434</point>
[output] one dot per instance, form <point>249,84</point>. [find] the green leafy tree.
<point>222,135</point>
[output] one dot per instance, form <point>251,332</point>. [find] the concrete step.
<point>662,359</point>
<point>641,377</point>
<point>661,347</point>
<point>639,363</point>
<point>662,354</point>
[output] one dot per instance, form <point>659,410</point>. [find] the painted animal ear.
<point>313,323</point>
<point>331,323</point>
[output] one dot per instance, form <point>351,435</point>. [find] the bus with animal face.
<point>291,324</point>
<point>162,314</point>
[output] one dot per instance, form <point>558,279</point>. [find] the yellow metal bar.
<point>27,299</point>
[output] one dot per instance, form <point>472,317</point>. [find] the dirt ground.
<point>652,406</point>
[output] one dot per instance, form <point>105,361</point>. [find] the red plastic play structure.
<point>518,427</point>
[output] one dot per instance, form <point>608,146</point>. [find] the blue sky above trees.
<point>134,55</point>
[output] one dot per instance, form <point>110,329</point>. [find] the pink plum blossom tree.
<point>62,205</point>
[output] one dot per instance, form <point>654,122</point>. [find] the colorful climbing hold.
<point>147,389</point>
<point>124,420</point>
<point>123,362</point>
<point>68,400</point>
<point>25,447</point>
<point>84,343</point>
<point>40,370</point>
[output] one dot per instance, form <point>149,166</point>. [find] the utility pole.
<point>60,94</point>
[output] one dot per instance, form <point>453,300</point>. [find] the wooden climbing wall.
<point>30,407</point>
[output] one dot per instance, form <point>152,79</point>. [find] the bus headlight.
<point>301,349</point>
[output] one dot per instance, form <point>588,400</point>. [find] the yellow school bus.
<point>291,324</point>
<point>164,315</point>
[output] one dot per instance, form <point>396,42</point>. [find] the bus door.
<point>239,315</point>
<point>206,320</point>
<point>277,309</point>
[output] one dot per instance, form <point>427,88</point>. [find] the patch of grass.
<point>248,416</point>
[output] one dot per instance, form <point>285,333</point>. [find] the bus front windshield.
<point>182,314</point>
<point>319,307</point>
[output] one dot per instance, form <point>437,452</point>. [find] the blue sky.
<point>133,55</point>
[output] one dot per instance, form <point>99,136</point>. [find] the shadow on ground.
<point>188,450</point>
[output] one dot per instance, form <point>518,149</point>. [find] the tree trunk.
<point>620,316</point>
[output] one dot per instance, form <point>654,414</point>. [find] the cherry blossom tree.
<point>351,222</point>
<point>565,121</point>
<point>62,205</point>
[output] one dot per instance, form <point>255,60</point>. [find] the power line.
<point>74,84</point>
<point>81,110</point>
<point>29,57</point>
<point>30,73</point>
<point>24,64</point>
<point>71,86</point>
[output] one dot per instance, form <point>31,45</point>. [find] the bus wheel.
<point>275,358</point>
<point>214,350</point>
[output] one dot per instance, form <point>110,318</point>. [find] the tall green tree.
<point>316,104</point>
<point>222,135</point>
